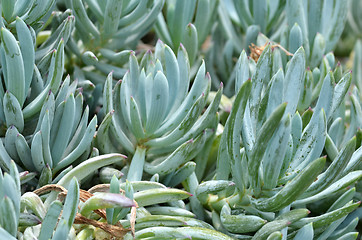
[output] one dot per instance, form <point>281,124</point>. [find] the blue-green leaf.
<point>15,76</point>
<point>293,81</point>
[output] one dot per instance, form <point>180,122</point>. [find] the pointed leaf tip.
<point>208,75</point>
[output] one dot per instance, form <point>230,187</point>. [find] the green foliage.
<point>90,99</point>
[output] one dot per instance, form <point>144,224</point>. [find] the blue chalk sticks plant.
<point>171,119</point>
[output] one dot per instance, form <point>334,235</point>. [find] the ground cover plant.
<point>171,119</point>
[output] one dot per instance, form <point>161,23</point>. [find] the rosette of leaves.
<point>62,134</point>
<point>155,115</point>
<point>35,105</point>
<point>25,85</point>
<point>24,81</point>
<point>240,23</point>
<point>34,62</point>
<point>315,25</point>
<point>103,35</point>
<point>273,153</point>
<point>312,32</point>
<point>103,28</point>
<point>195,17</point>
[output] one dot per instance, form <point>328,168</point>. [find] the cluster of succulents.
<point>171,119</point>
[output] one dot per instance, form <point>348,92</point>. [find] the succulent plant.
<point>34,13</point>
<point>61,136</point>
<point>249,18</point>
<point>28,72</point>
<point>316,25</point>
<point>56,127</point>
<point>32,217</point>
<point>195,17</point>
<point>277,167</point>
<point>354,19</point>
<point>275,154</point>
<point>17,67</point>
<point>101,40</point>
<point>141,122</point>
<point>306,23</point>
<point>27,210</point>
<point>103,28</point>
<point>240,24</point>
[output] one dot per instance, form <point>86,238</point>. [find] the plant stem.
<point>136,168</point>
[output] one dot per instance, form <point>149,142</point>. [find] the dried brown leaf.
<point>48,188</point>
<point>115,230</point>
<point>255,51</point>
